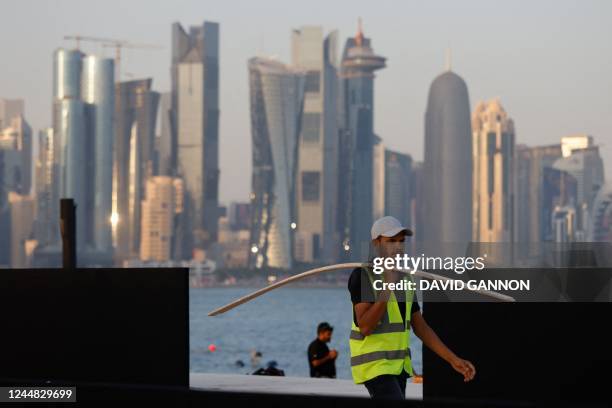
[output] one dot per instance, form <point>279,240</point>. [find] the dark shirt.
<point>366,292</point>
<point>317,350</point>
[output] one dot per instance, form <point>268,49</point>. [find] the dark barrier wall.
<point>128,326</point>
<point>104,396</point>
<point>522,351</point>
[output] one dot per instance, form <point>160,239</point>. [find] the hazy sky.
<point>550,62</point>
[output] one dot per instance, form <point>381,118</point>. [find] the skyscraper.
<point>98,92</point>
<point>15,179</point>
<point>69,138</point>
<point>581,159</point>
<point>399,186</point>
<point>239,216</point>
<point>75,165</point>
<point>22,221</point>
<point>165,165</point>
<point>493,146</point>
<point>447,164</point>
<point>80,146</point>
<point>276,99</point>
<point>134,159</point>
<point>355,207</point>
<point>534,176</point>
<point>378,179</point>
<point>45,166</point>
<point>575,142</point>
<point>417,210</point>
<point>69,142</point>
<point>585,164</point>
<point>195,121</point>
<point>16,147</point>
<point>600,227</point>
<point>10,108</point>
<point>317,180</point>
<point>563,224</point>
<point>158,210</point>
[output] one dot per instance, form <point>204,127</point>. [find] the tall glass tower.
<point>277,93</point>
<point>317,180</point>
<point>355,209</point>
<point>195,117</point>
<point>447,166</point>
<point>98,92</point>
<point>70,140</point>
<point>134,154</point>
<point>80,148</point>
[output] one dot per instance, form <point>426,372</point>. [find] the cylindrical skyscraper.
<point>72,160</point>
<point>98,91</point>
<point>68,168</point>
<point>448,166</point>
<point>67,74</point>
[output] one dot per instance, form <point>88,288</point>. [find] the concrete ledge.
<point>287,385</point>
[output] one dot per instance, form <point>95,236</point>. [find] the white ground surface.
<point>287,385</point>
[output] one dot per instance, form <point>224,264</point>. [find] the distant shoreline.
<point>260,284</point>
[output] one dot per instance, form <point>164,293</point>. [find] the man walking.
<point>380,333</point>
<point>321,359</point>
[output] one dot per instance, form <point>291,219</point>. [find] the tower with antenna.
<point>357,139</point>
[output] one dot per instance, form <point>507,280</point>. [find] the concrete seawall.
<point>287,385</point>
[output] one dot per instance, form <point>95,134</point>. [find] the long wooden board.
<point>336,267</point>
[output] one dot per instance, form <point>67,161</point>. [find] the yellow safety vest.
<point>387,349</point>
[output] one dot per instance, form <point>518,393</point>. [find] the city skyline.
<point>527,69</point>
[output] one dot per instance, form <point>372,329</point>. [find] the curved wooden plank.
<point>349,265</point>
<point>283,282</point>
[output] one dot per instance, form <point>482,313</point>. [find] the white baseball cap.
<point>388,227</point>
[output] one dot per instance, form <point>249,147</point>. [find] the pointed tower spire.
<point>359,36</point>
<point>448,61</point>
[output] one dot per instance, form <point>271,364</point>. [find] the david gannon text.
<point>494,285</point>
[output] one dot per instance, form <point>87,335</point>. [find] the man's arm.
<point>431,340</point>
<point>369,314</point>
<point>330,356</point>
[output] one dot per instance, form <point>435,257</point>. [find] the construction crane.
<point>118,45</point>
<point>78,38</point>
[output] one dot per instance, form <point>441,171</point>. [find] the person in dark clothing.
<point>321,359</point>
<point>270,370</point>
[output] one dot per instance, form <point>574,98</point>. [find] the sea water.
<point>280,325</point>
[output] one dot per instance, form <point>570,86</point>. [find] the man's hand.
<point>463,367</point>
<point>431,340</point>
<point>329,356</point>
